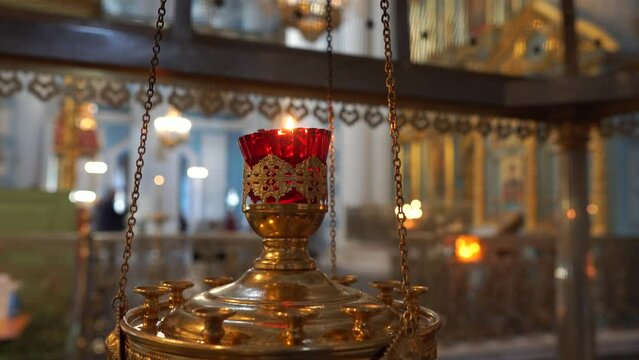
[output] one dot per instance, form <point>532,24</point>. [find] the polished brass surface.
<point>213,318</point>
<point>346,280</point>
<point>151,295</point>
<point>282,308</point>
<point>361,314</point>
<point>295,319</point>
<point>414,292</point>
<point>386,288</point>
<point>176,287</point>
<point>285,229</point>
<point>218,281</point>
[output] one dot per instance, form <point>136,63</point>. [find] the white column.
<point>30,115</point>
<point>354,163</point>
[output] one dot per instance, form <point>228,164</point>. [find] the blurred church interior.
<point>510,113</point>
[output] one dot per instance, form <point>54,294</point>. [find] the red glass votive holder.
<point>293,147</point>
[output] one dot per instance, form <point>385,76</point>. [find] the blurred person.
<point>105,218</point>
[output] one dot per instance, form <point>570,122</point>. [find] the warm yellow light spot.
<point>571,214</point>
<point>270,221</point>
<point>87,123</point>
<point>592,209</point>
<point>411,211</point>
<point>289,122</point>
<point>468,249</point>
<point>519,49</point>
<point>158,180</point>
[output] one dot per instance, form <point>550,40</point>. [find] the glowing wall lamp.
<point>468,249</point>
<point>172,129</point>
<point>95,167</point>
<point>82,196</point>
<point>197,172</point>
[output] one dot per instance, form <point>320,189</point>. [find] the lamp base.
<point>282,308</point>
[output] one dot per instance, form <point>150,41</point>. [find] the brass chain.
<point>409,314</point>
<point>331,127</point>
<point>120,302</point>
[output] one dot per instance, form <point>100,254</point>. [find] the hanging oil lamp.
<point>308,16</point>
<point>283,307</point>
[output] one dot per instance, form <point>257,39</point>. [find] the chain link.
<point>120,302</point>
<point>331,127</point>
<point>409,314</point>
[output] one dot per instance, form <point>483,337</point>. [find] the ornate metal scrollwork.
<point>182,99</point>
<point>298,109</point>
<point>115,94</point>
<point>44,86</point>
<point>269,107</point>
<point>421,120</point>
<point>81,90</point>
<point>374,117</point>
<point>321,113</point>
<point>272,178</point>
<point>240,105</point>
<point>463,125</point>
<point>442,123</point>
<point>349,114</point>
<point>403,117</point>
<point>9,83</point>
<point>211,102</point>
<point>484,127</point>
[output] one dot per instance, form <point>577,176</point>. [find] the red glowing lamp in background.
<point>293,146</point>
<point>468,249</point>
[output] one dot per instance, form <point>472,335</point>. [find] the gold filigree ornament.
<point>272,178</point>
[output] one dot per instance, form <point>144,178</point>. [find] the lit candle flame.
<point>289,122</point>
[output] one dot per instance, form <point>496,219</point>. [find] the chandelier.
<point>172,128</point>
<point>309,16</point>
<point>283,307</point>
